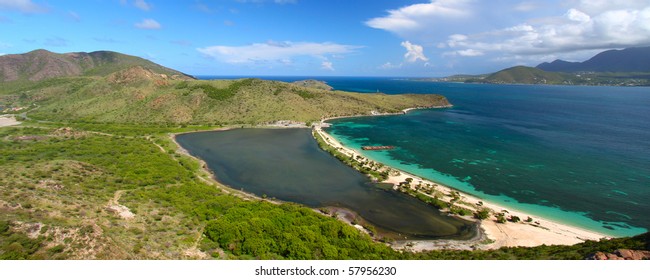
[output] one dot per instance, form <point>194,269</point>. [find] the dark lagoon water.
<point>288,164</point>
<point>579,155</point>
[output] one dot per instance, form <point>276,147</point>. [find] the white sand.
<point>509,234</point>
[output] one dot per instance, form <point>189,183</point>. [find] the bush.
<point>482,214</point>
<point>501,218</point>
<point>4,227</point>
<point>56,249</point>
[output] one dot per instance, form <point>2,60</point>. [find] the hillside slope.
<point>132,96</point>
<point>41,64</point>
<point>524,75</point>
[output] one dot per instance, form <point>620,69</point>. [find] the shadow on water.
<point>288,165</point>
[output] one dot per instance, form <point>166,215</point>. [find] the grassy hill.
<point>530,75</point>
<point>524,75</point>
<point>130,96</point>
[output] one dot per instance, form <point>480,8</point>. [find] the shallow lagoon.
<point>288,164</point>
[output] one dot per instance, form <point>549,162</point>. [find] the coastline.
<point>492,235</point>
<point>376,114</point>
<point>540,231</point>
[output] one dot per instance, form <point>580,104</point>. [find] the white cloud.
<point>148,24</point>
<point>327,65</point>
<point>591,25</point>
<point>272,51</point>
<point>578,16</point>
<point>418,17</point>
<point>469,52</point>
<point>142,5</point>
<point>413,52</point>
<point>25,6</point>
<point>602,6</point>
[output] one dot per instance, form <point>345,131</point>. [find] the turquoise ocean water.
<point>578,155</point>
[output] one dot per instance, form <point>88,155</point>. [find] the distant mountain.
<point>42,64</point>
<point>524,75</point>
<point>628,67</point>
<point>627,60</point>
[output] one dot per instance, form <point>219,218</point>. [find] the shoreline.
<point>377,114</point>
<point>490,234</point>
<point>345,215</point>
<point>540,231</point>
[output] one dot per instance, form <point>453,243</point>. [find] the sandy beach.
<point>8,120</point>
<point>510,234</point>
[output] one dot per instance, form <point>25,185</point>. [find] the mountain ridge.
<point>41,64</point>
<point>626,67</point>
<point>625,60</point>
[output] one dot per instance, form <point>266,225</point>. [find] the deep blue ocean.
<point>575,154</point>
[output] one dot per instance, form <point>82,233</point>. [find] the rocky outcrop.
<point>621,254</point>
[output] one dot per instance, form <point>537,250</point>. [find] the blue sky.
<point>329,37</point>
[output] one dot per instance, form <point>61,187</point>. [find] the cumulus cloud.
<point>142,5</point>
<point>417,17</point>
<point>273,51</point>
<point>24,6</point>
<point>327,65</point>
<point>589,26</point>
<point>148,24</point>
<point>413,52</point>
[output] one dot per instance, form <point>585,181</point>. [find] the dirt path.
<point>114,206</point>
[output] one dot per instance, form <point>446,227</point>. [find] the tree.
<point>482,214</point>
<point>501,218</point>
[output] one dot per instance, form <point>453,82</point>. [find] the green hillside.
<point>524,75</point>
<point>131,96</point>
<point>530,75</point>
